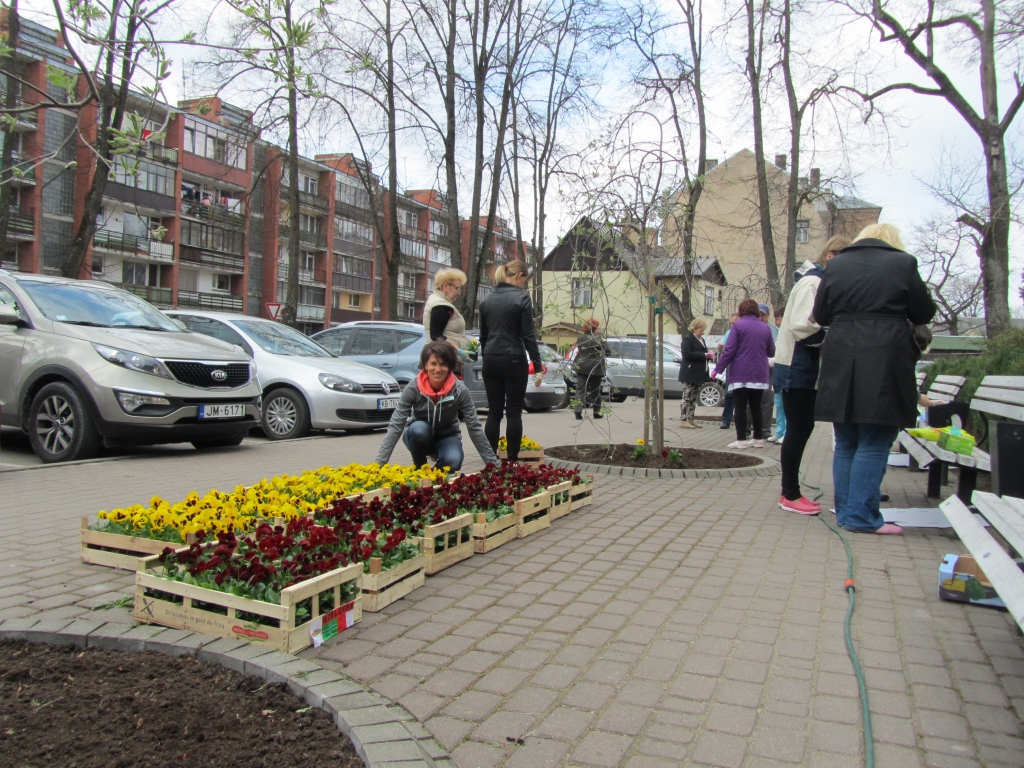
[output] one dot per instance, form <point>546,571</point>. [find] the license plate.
<point>227,411</point>
<point>559,390</point>
<point>385,403</point>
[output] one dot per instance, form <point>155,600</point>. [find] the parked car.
<point>304,385</point>
<point>552,394</point>
<point>83,363</point>
<point>396,346</point>
<point>626,369</point>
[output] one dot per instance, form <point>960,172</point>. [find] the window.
<point>335,339</point>
<point>409,219</point>
<point>582,292</point>
<point>216,330</point>
<point>441,255</point>
<point>407,338</point>
<point>405,280</point>
<point>215,143</point>
<point>373,341</point>
<point>438,228</point>
<point>350,265</point>
<point>134,273</point>
<point>709,300</point>
<point>413,248</point>
<point>307,183</point>
<point>803,231</point>
<point>308,260</point>
<point>634,350</point>
<point>222,283</point>
<point>97,264</point>
<point>151,177</point>
<point>208,236</point>
<point>355,301</point>
<point>353,231</point>
<point>405,309</point>
<point>350,190</point>
<point>188,280</point>
<point>309,223</point>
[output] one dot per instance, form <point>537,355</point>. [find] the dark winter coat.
<point>694,368</point>
<point>591,352</point>
<point>868,298</point>
<point>506,324</point>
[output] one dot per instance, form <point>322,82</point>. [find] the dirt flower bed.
<point>64,706</point>
<point>628,455</point>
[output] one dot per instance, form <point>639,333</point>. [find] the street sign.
<point>273,310</point>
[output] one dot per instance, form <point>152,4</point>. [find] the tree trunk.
<point>291,302</point>
<point>395,262</point>
<point>450,167</point>
<point>12,70</point>
<point>763,201</point>
<point>795,123</point>
<point>695,29</point>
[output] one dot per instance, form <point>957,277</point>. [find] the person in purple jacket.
<point>746,356</point>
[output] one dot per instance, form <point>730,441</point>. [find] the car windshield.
<point>279,339</point>
<point>102,308</point>
<point>548,355</point>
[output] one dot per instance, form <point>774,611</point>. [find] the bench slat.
<point>947,389</point>
<point>959,381</point>
<point>1015,412</point>
<point>1004,382</point>
<point>1008,396</point>
<point>916,449</point>
<point>1001,571</point>
<point>1008,521</point>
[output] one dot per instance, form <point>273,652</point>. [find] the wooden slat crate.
<point>275,625</point>
<point>527,457</point>
<point>491,535</point>
<point>533,514</point>
<point>118,551</point>
<point>382,588</point>
<point>583,494</point>
<point>561,499</point>
<point>438,550</point>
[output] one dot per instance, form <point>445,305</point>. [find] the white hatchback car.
<point>304,386</point>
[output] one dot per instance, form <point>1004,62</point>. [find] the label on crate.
<point>336,620</point>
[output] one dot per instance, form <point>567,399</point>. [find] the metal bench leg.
<point>966,484</point>
<point>935,473</point>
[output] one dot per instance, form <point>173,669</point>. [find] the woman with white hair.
<point>869,297</point>
<point>441,318</point>
<point>693,371</point>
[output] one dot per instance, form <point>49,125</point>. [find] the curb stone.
<point>767,468</point>
<point>384,734</point>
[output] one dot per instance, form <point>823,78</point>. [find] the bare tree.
<point>945,251</point>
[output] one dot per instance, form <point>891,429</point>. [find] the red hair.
<point>748,307</point>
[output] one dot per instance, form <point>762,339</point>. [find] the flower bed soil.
<point>65,706</point>
<point>621,455</point>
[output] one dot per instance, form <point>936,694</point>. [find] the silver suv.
<point>83,363</point>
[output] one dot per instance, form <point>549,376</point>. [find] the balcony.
<point>309,313</point>
<point>213,212</point>
<point>413,232</point>
<point>26,169</point>
<point>306,198</point>
<point>411,294</point>
<point>163,154</point>
<point>339,315</point>
<point>209,301</point>
<point>307,276</point>
<point>352,283</point>
<point>161,297</point>
<point>137,246</point>
<point>316,240</point>
<point>23,121</point>
<point>21,226</point>
<point>359,213</point>
<point>222,262</point>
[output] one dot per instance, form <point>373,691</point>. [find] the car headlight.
<point>252,370</point>
<point>132,401</point>
<point>339,383</point>
<point>133,361</point>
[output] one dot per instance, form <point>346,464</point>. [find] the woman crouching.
<point>429,413</point>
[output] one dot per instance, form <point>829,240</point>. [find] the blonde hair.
<point>884,232</point>
<point>513,269</point>
<point>449,275</point>
<point>834,245</point>
<point>698,322</point>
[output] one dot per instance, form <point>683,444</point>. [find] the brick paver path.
<point>672,622</point>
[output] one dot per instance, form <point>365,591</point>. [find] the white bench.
<point>1006,515</point>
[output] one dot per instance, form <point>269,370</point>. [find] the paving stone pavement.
<point>672,622</point>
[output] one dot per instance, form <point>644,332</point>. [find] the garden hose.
<point>869,742</point>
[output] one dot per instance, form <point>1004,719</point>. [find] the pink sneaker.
<point>890,528</point>
<point>801,506</point>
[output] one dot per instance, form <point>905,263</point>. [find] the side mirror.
<point>677,360</point>
<point>180,324</point>
<point>9,315</point>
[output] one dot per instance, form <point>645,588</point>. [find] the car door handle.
<point>386,365</point>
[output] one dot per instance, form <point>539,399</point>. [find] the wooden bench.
<point>1006,515</point>
<point>1000,401</point>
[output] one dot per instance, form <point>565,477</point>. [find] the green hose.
<point>869,742</point>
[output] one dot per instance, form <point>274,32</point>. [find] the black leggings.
<point>799,407</point>
<point>505,379</point>
<point>744,397</point>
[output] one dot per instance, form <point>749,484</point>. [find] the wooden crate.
<point>382,588</point>
<point>583,494</point>
<point>275,625</point>
<point>538,509</point>
<point>441,555</point>
<point>527,457</point>
<point>561,499</point>
<point>491,535</point>
<point>116,550</point>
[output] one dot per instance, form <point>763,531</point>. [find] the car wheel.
<point>61,428</point>
<point>224,442</point>
<point>710,395</point>
<point>617,398</point>
<point>537,410</point>
<point>285,415</point>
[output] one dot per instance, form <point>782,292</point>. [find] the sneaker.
<point>756,444</point>
<point>737,444</point>
<point>801,506</point>
<point>773,439</point>
<point>779,440</point>
<point>724,426</point>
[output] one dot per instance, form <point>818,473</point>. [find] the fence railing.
<point>19,223</point>
<point>214,212</point>
<point>138,245</point>
<point>152,294</point>
<point>317,276</point>
<point>354,283</point>
<point>222,261</point>
<point>309,312</point>
<point>209,301</point>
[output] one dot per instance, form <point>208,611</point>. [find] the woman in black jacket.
<point>506,338</point>
<point>589,367</point>
<point>693,372</point>
<point>866,386</point>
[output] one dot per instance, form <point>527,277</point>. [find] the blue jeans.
<point>419,439</point>
<point>861,457</point>
<point>780,416</point>
<point>727,409</point>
